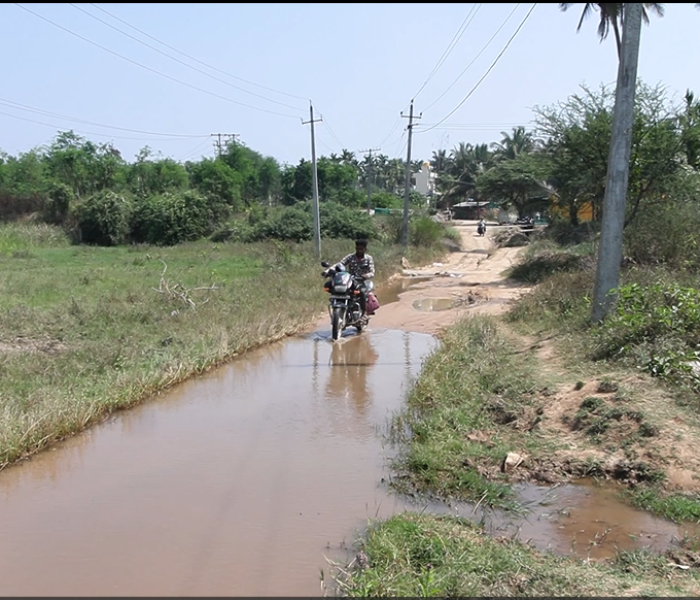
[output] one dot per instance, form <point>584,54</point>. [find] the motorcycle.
<point>481,228</point>
<point>344,306</point>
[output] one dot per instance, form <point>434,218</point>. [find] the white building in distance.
<point>425,180</point>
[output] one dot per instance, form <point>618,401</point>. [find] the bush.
<point>58,203</point>
<point>537,268</point>
<point>288,223</point>
<point>423,231</point>
<point>657,326</point>
<point>173,217</point>
<point>235,231</point>
<point>296,222</point>
<point>104,219</point>
<point>341,222</point>
<point>666,234</point>
<point>386,200</point>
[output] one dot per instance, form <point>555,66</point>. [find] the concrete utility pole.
<point>369,176</point>
<point>615,199</point>
<point>218,143</point>
<point>317,220</point>
<point>407,192</point>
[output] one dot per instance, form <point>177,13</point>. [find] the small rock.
<point>404,263</point>
<point>512,461</point>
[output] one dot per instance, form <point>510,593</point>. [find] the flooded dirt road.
<point>246,480</point>
<point>236,483</point>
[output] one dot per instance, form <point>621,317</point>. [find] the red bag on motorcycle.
<point>372,303</point>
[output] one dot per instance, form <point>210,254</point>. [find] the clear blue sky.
<point>260,64</point>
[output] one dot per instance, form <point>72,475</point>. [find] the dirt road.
<point>472,279</point>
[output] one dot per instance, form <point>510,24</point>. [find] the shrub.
<point>173,217</point>
<point>57,204</point>
<point>339,221</point>
<point>289,223</point>
<point>104,219</point>
<point>423,231</point>
<point>386,200</point>
<point>666,234</point>
<point>657,326</point>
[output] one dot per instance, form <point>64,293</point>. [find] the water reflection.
<point>351,361</point>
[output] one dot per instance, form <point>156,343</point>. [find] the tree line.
<point>558,165</point>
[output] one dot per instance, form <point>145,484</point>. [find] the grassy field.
<point>88,330</point>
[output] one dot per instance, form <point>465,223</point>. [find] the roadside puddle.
<point>430,304</point>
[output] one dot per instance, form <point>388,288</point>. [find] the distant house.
<point>425,180</point>
<point>470,210</point>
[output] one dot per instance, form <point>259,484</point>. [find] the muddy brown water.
<point>250,479</point>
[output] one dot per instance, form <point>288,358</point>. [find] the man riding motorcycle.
<point>360,265</point>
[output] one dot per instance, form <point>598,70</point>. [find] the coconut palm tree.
<point>440,160</point>
<point>466,162</point>
<point>630,16</point>
<point>347,157</point>
<point>611,17</point>
<point>510,146</point>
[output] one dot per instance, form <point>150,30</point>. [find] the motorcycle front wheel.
<point>336,322</point>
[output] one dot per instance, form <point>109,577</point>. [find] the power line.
<point>138,64</point>
<point>451,46</point>
<point>180,61</point>
<point>57,127</point>
<point>326,146</point>
<point>195,59</point>
<point>335,138</point>
<point>493,127</point>
<point>394,126</point>
<point>475,58</point>
<point>478,83</point>
<point>193,150</point>
<point>398,153</point>
<point>17,105</point>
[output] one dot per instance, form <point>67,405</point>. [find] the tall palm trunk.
<point>614,201</point>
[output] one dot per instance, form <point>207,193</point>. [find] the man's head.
<point>360,246</point>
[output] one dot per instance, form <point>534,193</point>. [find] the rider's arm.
<point>369,273</point>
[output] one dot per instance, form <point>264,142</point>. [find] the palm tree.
<point>611,17</point>
<point>465,163</point>
<point>347,157</point>
<point>630,16</point>
<point>439,161</point>
<point>510,146</point>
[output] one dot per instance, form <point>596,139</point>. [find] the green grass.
<point>458,424</point>
<point>679,508</point>
<point>412,555</point>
